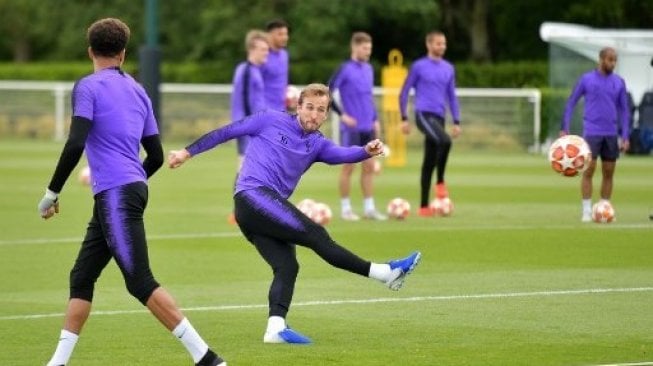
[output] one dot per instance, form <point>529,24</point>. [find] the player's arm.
<point>454,106</point>
<point>250,125</point>
<point>70,155</point>
<point>579,90</point>
<point>332,154</point>
<point>624,110</point>
<point>409,83</point>
<point>154,150</point>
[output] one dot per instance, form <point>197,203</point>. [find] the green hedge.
<point>504,75</point>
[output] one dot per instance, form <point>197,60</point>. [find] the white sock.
<point>275,324</point>
<point>345,204</point>
<point>380,271</point>
<point>587,205</point>
<point>67,342</point>
<point>368,204</point>
<point>190,339</point>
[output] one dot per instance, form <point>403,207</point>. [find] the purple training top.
<point>121,115</point>
<point>275,79</point>
<point>248,94</point>
<point>435,86</point>
<point>605,103</point>
<point>279,150</point>
<point>355,82</point>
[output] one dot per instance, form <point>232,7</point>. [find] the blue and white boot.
<point>402,268</point>
<point>287,335</point>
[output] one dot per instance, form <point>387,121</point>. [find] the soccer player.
<point>248,94</point>
<point>112,117</point>
<point>606,104</point>
<point>282,147</point>
<point>359,124</point>
<point>275,69</point>
<point>434,81</point>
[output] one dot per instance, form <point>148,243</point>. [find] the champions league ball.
<point>442,206</point>
<point>570,155</point>
<point>603,212</point>
<point>306,206</point>
<point>398,208</point>
<point>84,176</point>
<point>321,213</point>
<point>292,97</point>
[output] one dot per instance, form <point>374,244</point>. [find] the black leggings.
<point>437,144</point>
<point>116,231</point>
<point>274,226</point>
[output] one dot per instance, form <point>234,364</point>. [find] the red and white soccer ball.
<point>442,206</point>
<point>398,208</point>
<point>84,176</point>
<point>306,206</point>
<point>570,155</point>
<point>603,212</point>
<point>292,97</point>
<point>321,213</point>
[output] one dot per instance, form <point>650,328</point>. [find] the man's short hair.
<point>275,24</point>
<point>314,90</point>
<point>605,51</point>
<point>108,37</point>
<point>253,36</point>
<point>434,33</point>
<point>360,37</point>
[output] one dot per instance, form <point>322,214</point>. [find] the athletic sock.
<point>67,342</point>
<point>345,204</point>
<point>587,205</point>
<point>275,324</point>
<point>380,271</point>
<point>189,337</point>
<point>368,204</point>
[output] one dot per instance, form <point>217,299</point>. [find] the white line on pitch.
<point>644,363</point>
<point>230,234</point>
<point>365,301</point>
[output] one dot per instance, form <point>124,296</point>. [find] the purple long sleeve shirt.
<point>275,78</point>
<point>121,115</point>
<point>279,150</point>
<point>355,82</point>
<point>248,93</point>
<point>435,87</point>
<point>606,103</point>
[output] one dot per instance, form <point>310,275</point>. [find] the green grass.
<point>512,278</point>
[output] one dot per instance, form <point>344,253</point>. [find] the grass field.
<point>512,278</point>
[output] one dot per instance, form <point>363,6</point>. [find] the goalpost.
<point>492,118</point>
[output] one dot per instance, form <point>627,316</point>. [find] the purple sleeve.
<point>453,99</point>
<point>578,91</point>
<point>247,126</point>
<point>331,153</point>
<point>82,100</point>
<point>625,112</point>
<point>405,89</point>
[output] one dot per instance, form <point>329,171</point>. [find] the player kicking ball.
<point>282,147</point>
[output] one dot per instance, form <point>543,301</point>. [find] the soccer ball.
<point>570,155</point>
<point>84,176</point>
<point>442,206</point>
<point>398,208</point>
<point>306,206</point>
<point>603,212</point>
<point>292,97</point>
<point>321,213</point>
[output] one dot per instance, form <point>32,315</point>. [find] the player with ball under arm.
<point>606,103</point>
<point>282,147</point>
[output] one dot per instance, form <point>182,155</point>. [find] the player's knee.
<point>81,286</point>
<point>141,287</point>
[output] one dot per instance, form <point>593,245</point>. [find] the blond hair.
<point>314,90</point>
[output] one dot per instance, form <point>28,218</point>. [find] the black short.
<point>116,230</point>
<point>605,147</point>
<point>356,138</point>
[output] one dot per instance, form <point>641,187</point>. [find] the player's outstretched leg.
<point>279,332</point>
<point>402,268</point>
